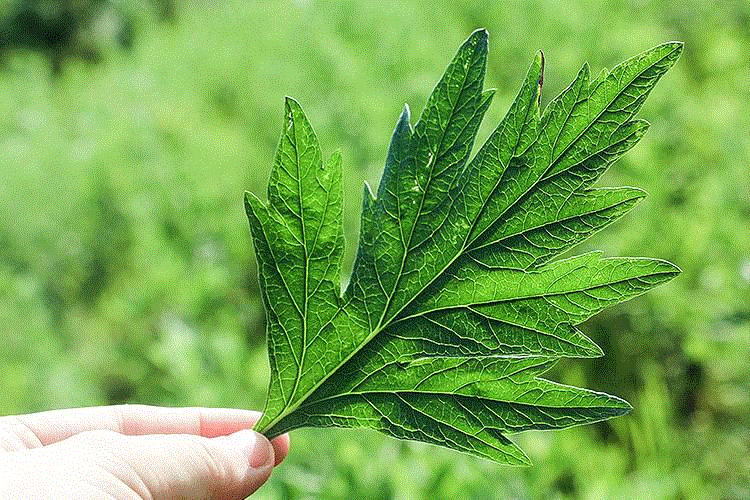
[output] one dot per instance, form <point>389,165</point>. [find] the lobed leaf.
<point>456,306</point>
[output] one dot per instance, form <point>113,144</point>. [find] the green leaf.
<point>456,305</point>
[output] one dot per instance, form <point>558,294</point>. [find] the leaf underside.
<point>456,306</point>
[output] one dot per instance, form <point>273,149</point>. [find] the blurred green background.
<point>129,130</point>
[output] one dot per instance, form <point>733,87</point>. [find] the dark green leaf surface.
<point>455,307</point>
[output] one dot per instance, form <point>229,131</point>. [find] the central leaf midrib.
<point>433,161</point>
<point>289,408</point>
<point>436,393</point>
<point>306,260</point>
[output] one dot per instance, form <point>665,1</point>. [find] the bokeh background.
<point>130,129</point>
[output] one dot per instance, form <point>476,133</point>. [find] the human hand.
<point>135,452</point>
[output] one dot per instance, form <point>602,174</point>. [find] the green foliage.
<point>454,308</point>
<point>125,175</point>
<point>63,30</point>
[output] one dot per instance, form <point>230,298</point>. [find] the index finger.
<point>40,429</point>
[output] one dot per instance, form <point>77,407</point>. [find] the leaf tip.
<point>634,195</point>
<point>620,406</point>
<point>590,348</point>
<point>524,461</point>
<point>665,269</point>
<point>509,454</point>
<point>595,351</point>
<point>290,101</point>
<point>480,35</point>
<point>668,54</point>
<point>585,71</point>
<point>405,117</point>
<point>291,106</point>
<point>673,270</point>
<point>368,196</point>
<point>539,61</point>
<point>641,127</point>
<point>477,42</point>
<point>676,46</point>
<point>518,459</point>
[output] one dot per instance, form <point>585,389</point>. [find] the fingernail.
<point>256,446</point>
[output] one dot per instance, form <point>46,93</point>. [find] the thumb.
<point>179,466</point>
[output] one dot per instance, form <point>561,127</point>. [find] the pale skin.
<point>134,452</point>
